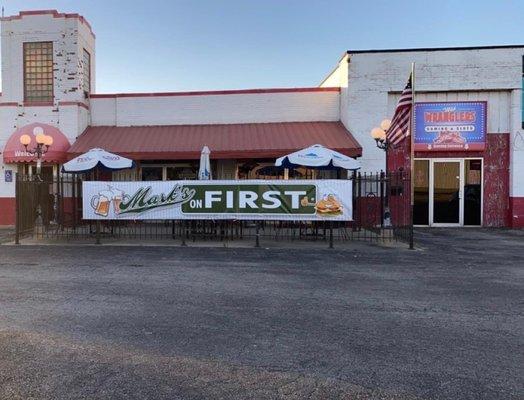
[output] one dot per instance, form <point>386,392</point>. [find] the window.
<point>38,71</point>
<point>171,172</point>
<point>181,172</point>
<point>87,72</point>
<point>152,173</point>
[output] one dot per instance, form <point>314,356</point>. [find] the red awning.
<point>14,151</point>
<point>185,142</point>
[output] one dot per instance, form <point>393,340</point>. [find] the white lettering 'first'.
<point>247,198</point>
<point>212,196</point>
<point>295,196</point>
<point>274,201</point>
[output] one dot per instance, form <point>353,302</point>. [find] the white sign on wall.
<point>308,200</point>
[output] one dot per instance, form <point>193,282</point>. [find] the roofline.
<point>215,155</point>
<point>355,151</point>
<point>54,13</point>
<point>217,92</point>
<point>344,55</point>
<point>415,49</point>
<point>509,46</point>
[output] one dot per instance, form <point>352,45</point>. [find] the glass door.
<point>473,192</point>
<point>421,193</point>
<point>446,205</point>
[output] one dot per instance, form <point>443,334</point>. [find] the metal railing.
<point>53,210</point>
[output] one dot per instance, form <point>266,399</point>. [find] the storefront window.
<point>152,173</point>
<point>448,191</point>
<point>328,174</point>
<point>268,171</point>
<point>186,171</point>
<point>472,192</point>
<point>181,172</point>
<point>421,195</point>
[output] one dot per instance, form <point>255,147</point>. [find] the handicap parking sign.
<point>8,175</point>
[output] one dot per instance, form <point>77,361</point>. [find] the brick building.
<point>454,187</point>
<point>48,78</point>
<point>48,75</point>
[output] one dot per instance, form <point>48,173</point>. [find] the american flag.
<point>399,128</point>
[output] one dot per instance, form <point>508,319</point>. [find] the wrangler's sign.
<point>450,126</point>
<point>251,199</point>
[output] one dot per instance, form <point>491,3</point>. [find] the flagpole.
<point>412,157</point>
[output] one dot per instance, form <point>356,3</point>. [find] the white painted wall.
<point>494,75</point>
<point>339,78</point>
<point>216,109</point>
<point>516,170</point>
<point>70,35</point>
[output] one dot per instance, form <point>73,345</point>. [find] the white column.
<point>516,187</point>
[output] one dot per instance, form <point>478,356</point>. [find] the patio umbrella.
<point>96,158</point>
<point>204,172</point>
<point>319,157</point>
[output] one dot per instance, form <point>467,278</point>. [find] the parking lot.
<point>364,322</point>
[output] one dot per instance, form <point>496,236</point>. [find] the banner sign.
<point>450,126</point>
<point>307,200</point>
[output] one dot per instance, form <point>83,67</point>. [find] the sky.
<point>174,45</point>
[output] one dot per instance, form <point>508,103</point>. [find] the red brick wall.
<point>516,206</point>
<point>496,181</point>
<point>7,211</point>
<point>496,174</point>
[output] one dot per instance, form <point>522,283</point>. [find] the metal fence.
<point>53,210</point>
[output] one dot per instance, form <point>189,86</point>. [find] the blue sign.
<point>450,126</point>
<point>8,175</point>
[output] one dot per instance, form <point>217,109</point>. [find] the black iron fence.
<point>52,209</point>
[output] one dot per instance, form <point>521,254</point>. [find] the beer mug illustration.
<point>101,202</point>
<point>118,196</point>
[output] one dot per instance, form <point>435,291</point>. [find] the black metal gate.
<point>52,209</point>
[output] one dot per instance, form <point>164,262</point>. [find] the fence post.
<point>17,209</point>
<point>359,200</point>
<point>381,177</point>
<point>183,233</point>
<point>411,210</point>
<point>354,199</point>
<point>330,234</point>
<point>257,235</point>
<point>61,198</point>
<point>73,196</point>
<point>38,229</point>
<point>98,232</point>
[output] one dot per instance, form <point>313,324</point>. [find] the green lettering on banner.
<point>251,199</point>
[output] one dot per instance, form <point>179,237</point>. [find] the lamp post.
<point>43,142</point>
<point>379,134</point>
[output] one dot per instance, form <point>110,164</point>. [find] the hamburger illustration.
<point>328,206</point>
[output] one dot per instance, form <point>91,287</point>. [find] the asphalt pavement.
<point>113,322</point>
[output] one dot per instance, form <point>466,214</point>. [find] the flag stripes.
<point>400,123</point>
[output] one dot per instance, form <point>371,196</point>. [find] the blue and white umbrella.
<point>317,156</point>
<point>95,158</point>
<point>204,172</point>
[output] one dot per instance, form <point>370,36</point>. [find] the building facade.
<point>454,185</point>
<point>48,77</point>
